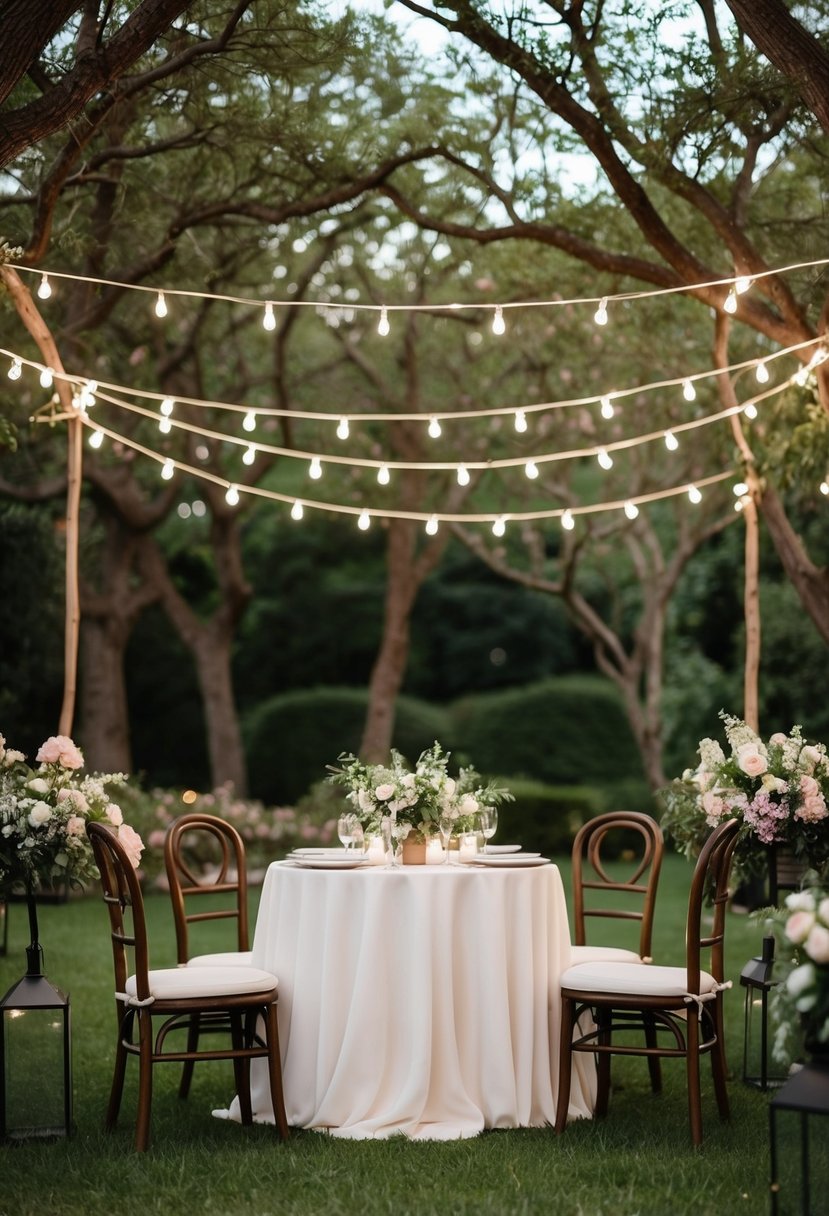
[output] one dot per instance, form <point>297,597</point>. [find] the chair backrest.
<point>709,890</point>
<point>186,838</point>
<point>633,880</point>
<point>125,904</point>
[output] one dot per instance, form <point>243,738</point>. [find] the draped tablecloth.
<point>422,1000</point>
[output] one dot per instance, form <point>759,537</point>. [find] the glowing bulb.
<point>750,410</point>
<point>96,439</point>
<point>671,441</point>
<point>383,475</point>
<point>730,304</point>
<point>498,323</point>
<point>520,421</point>
<point>824,487</point>
<point>87,396</point>
<point>631,510</point>
<point>740,489</point>
<point>762,373</point>
<point>434,429</point>
<point>45,288</point>
<point>47,378</point>
<point>463,475</point>
<point>315,469</point>
<point>268,319</point>
<point>250,454</point>
<point>249,421</point>
<point>364,521</point>
<point>165,426</point>
<point>531,469</point>
<point>688,390</point>
<point>167,406</point>
<point>600,315</point>
<point>167,470</point>
<point>342,429</point>
<point>605,459</point>
<point>742,285</point>
<point>499,527</point>
<point>296,510</point>
<point>432,525</point>
<point>232,495</point>
<point>694,494</point>
<point>567,521</point>
<point>161,305</point>
<point>607,408</point>
<point>383,324</point>
<point>16,369</point>
<point>739,504</point>
<point>801,377</point>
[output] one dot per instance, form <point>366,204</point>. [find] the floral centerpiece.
<point>778,789</point>
<point>802,930</point>
<point>418,798</point>
<point>43,817</point>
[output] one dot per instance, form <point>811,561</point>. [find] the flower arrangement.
<point>418,797</point>
<point>778,790</point>
<point>44,812</point>
<point>802,930</point>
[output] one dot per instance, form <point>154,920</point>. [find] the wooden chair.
<point>634,896</point>
<point>241,995</point>
<point>685,1002</point>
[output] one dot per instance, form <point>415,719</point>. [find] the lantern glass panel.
<point>799,1120</point>
<point>36,1065</point>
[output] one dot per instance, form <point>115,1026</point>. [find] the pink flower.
<point>714,807</point>
<point>817,944</point>
<point>809,787</point>
<point>751,760</point>
<point>59,749</point>
<point>132,843</point>
<point>115,815</point>
<point>75,825</point>
<point>78,800</point>
<point>384,792</point>
<point>799,925</point>
<point>778,737</point>
<point>156,838</point>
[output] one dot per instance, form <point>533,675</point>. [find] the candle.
<point>375,852</point>
<point>434,852</point>
<point>468,847</point>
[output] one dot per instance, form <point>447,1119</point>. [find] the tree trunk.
<point>810,581</point>
<point>211,649</point>
<point>104,713</point>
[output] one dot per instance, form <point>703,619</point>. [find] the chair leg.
<point>241,1075</point>
<point>602,1064</point>
<point>719,1066</point>
<point>692,1069</point>
<point>117,1087</point>
<point>192,1045</point>
<point>275,1070</point>
<point>145,1081</point>
<point>654,1066</point>
<point>565,1063</point>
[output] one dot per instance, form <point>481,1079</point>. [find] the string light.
<point>87,394</point>
<point>520,421</point>
<point>160,305</point>
<point>45,288</point>
<point>824,487</point>
<point>499,325</point>
<point>364,522</point>
<point>742,284</point>
<point>671,441</point>
<point>47,378</point>
<point>383,324</point>
<point>567,520</point>
<point>232,495</point>
<point>342,429</point>
<point>434,429</point>
<point>315,469</point>
<point>383,475</point>
<point>688,390</point>
<point>96,439</point>
<point>268,318</point>
<point>296,510</point>
<point>750,410</point>
<point>16,369</point>
<point>164,425</point>
<point>762,373</point>
<point>531,469</point>
<point>499,527</point>
<point>463,475</point>
<point>740,489</point>
<point>802,376</point>
<point>694,494</point>
<point>604,458</point>
<point>432,525</point>
<point>600,315</point>
<point>631,510</point>
<point>250,454</point>
<point>168,469</point>
<point>167,406</point>
<point>730,304</point>
<point>249,421</point>
<point>739,504</point>
<point>607,408</point>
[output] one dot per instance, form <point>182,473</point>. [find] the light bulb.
<point>801,377</point>
<point>296,510</point>
<point>694,494</point>
<point>432,525</point>
<point>16,369</point>
<point>742,285</point>
<point>47,378</point>
<point>383,475</point>
<point>435,431</point>
<point>268,318</point>
<point>824,487</point>
<point>531,469</point>
<point>250,454</point>
<point>739,504</point>
<point>364,522</point>
<point>383,324</point>
<point>96,439</point>
<point>631,510</point>
<point>567,521</point>
<point>249,421</point>
<point>762,373</point>
<point>45,288</point>
<point>750,410</point>
<point>342,429</point>
<point>520,421</point>
<point>88,394</point>
<point>463,475</point>
<point>607,408</point>
<point>671,441</point>
<point>232,495</point>
<point>740,489</point>
<point>167,406</point>
<point>499,325</point>
<point>315,469</point>
<point>167,470</point>
<point>688,390</point>
<point>605,459</point>
<point>165,426</point>
<point>600,315</point>
<point>499,527</point>
<point>161,305</point>
<point>730,304</point>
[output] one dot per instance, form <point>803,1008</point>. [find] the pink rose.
<point>713,806</point>
<point>817,944</point>
<point>383,792</point>
<point>778,737</point>
<point>59,749</point>
<point>115,815</point>
<point>809,787</point>
<point>810,756</point>
<point>132,843</point>
<point>799,925</point>
<point>750,760</point>
<point>77,799</point>
<point>813,809</point>
<point>75,825</point>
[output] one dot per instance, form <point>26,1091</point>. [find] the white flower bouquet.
<point>802,929</point>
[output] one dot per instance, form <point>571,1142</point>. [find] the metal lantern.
<point>756,977</point>
<point>799,1139</point>
<point>35,1054</point>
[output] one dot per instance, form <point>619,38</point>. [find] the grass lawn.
<point>638,1160</point>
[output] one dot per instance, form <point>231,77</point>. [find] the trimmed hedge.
<point>545,818</point>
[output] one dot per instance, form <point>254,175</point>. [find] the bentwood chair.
<point>601,872</point>
<point>241,995</point>
<point>684,1003</point>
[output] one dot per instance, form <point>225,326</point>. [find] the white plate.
<point>329,863</point>
<point>516,859</point>
<point>506,848</point>
<point>318,852</point>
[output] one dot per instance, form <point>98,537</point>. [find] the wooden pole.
<point>40,332</point>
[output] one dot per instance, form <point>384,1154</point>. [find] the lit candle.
<point>468,847</point>
<point>375,852</point>
<point>434,852</point>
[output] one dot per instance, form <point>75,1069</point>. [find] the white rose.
<point>800,979</point>
<point>823,910</point>
<point>751,760</point>
<point>801,901</point>
<point>469,805</point>
<point>38,786</point>
<point>384,792</point>
<point>449,786</point>
<point>40,813</point>
<point>365,801</point>
<point>809,757</point>
<point>409,781</point>
<point>12,757</point>
<point>817,944</point>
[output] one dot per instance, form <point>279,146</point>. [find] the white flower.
<point>409,781</point>
<point>449,786</point>
<point>365,801</point>
<point>800,979</point>
<point>802,901</point>
<point>40,813</point>
<point>823,910</point>
<point>817,944</point>
<point>38,786</point>
<point>810,757</point>
<point>751,760</point>
<point>468,805</point>
<point>115,815</point>
<point>710,754</point>
<point>384,792</point>
<point>772,784</point>
<point>11,757</point>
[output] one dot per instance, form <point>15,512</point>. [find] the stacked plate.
<point>508,855</point>
<point>327,859</point>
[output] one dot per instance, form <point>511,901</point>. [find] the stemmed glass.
<point>489,823</point>
<point>393,834</point>
<point>346,828</point>
<point>446,826</point>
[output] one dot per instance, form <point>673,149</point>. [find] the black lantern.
<point>799,1137</point>
<point>35,1053</point>
<point>756,978</point>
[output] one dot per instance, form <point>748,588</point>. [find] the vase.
<point>414,851</point>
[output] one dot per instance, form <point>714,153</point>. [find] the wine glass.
<point>388,827</point>
<point>345,830</point>
<point>446,826</point>
<point>489,823</point>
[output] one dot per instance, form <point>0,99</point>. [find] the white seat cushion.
<point>176,983</point>
<point>602,954</point>
<point>633,979</point>
<point>230,958</point>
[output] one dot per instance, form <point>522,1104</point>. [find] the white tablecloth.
<point>421,1001</point>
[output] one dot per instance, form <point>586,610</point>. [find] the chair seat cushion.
<point>229,958</point>
<point>602,954</point>
<point>633,979</point>
<point>189,983</point>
